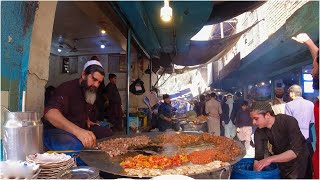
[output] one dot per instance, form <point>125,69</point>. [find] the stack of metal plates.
<point>80,172</point>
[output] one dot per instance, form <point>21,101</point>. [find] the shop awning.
<point>202,52</point>
<point>182,93</point>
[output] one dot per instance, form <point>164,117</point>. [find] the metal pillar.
<point>150,74</point>
<point>221,30</point>
<point>128,79</point>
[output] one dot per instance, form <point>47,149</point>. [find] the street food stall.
<point>198,155</point>
<point>191,123</point>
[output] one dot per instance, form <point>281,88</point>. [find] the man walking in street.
<point>213,110</point>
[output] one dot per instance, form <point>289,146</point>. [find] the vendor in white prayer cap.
<point>70,112</point>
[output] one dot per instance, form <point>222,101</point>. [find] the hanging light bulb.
<point>103,31</point>
<point>166,12</point>
<point>60,48</point>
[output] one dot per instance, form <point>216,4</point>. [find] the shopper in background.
<point>314,50</point>
<point>227,112</point>
<point>302,110</point>
<point>114,110</point>
<point>200,106</point>
<point>153,103</point>
<point>213,110</point>
<point>238,99</point>
<point>278,104</point>
<point>224,116</point>
<point>244,124</point>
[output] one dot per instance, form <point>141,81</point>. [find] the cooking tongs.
<point>144,151</point>
<point>94,149</point>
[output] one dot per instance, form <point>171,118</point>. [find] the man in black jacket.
<point>114,110</point>
<point>288,143</point>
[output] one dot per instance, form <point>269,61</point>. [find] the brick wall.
<point>274,13</point>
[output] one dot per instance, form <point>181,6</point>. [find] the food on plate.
<point>118,146</point>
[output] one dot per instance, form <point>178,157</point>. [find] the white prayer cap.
<point>92,62</point>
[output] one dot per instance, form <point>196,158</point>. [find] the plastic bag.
<point>137,87</point>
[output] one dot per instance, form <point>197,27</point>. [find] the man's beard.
<point>90,96</point>
<point>90,92</point>
<point>315,84</point>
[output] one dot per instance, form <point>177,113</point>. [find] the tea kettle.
<point>22,135</point>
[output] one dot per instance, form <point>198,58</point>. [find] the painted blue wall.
<point>16,29</point>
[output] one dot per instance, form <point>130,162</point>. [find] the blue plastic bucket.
<point>244,170</point>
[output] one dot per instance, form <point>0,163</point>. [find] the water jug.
<point>22,135</point>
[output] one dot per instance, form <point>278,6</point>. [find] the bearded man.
<point>69,113</point>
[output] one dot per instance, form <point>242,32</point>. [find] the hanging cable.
<point>159,77</point>
<point>165,80</point>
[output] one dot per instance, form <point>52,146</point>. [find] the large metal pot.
<point>22,135</point>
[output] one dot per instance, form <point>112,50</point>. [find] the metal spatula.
<point>144,151</point>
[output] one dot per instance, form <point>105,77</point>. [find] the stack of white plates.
<point>18,170</point>
<point>51,164</point>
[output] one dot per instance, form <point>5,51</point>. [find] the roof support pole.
<point>128,79</point>
<point>113,5</point>
<point>150,74</point>
<point>221,30</point>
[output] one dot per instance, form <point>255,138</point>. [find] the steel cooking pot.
<point>22,135</point>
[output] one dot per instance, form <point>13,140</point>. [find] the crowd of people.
<point>73,108</point>
<point>282,126</point>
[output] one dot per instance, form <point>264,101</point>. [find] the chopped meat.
<point>118,146</point>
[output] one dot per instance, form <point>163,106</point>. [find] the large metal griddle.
<point>105,163</point>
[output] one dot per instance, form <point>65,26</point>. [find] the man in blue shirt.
<point>302,110</point>
<point>165,113</point>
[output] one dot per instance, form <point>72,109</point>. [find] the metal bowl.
<point>80,172</point>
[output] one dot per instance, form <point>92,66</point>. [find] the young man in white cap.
<point>69,113</point>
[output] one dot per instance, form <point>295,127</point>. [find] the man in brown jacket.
<point>213,110</point>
